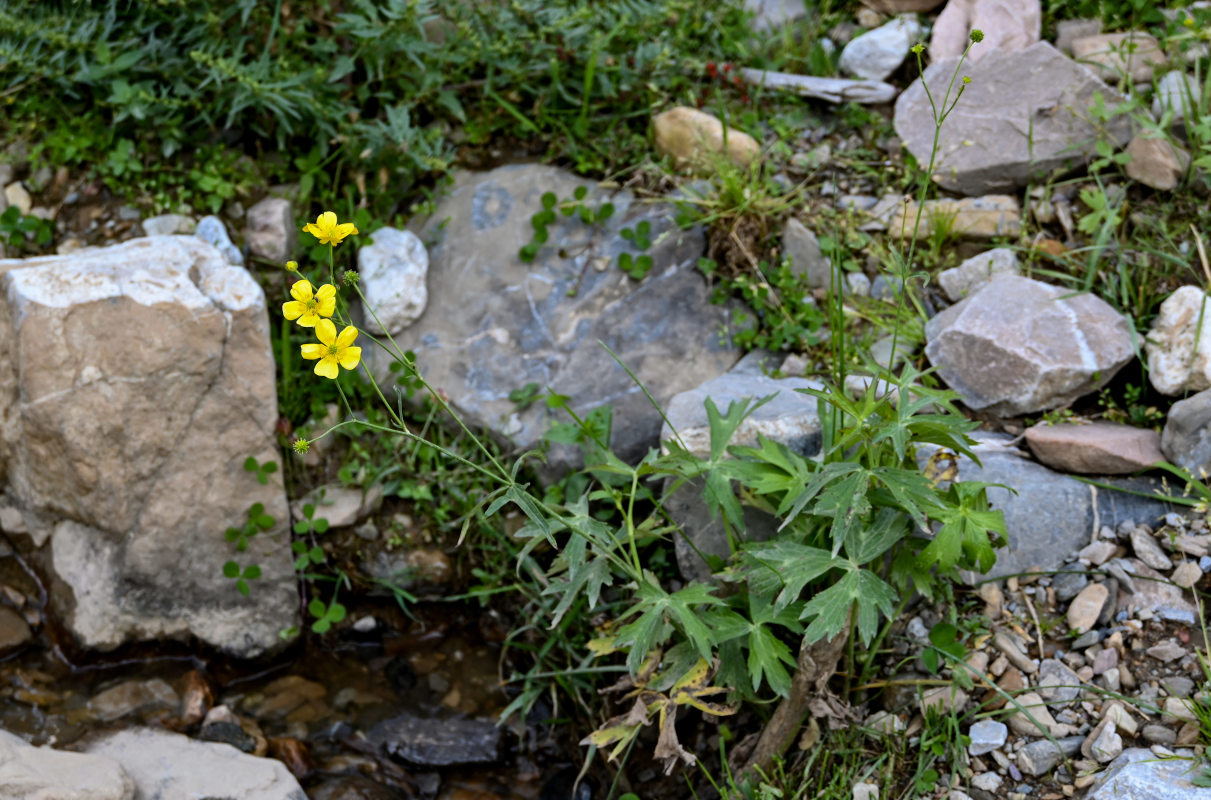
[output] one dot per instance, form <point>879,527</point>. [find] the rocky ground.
<point>1080,667</point>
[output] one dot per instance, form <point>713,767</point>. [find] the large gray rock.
<point>135,380</point>
<point>1138,774</point>
<point>1024,114</point>
<point>40,773</point>
<point>1017,346</point>
<point>169,766</point>
<point>789,418</point>
<point>495,324</point>
<point>1051,516</point>
<point>1186,440</point>
<point>392,272</point>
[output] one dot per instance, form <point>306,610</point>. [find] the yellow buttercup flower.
<point>308,306</point>
<point>292,266</point>
<point>328,230</point>
<point>333,349</point>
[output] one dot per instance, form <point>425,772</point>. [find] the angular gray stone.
<point>800,245</point>
<point>1068,585</point>
<point>270,231</point>
<point>1038,758</point>
<point>876,54</point>
<point>987,735</point>
<point>958,282</point>
<point>1052,515</point>
<point>495,324</point>
<point>1018,346</point>
<point>1147,550</point>
<point>1057,684</point>
<point>1186,439</point>
<point>40,773</point>
<point>1138,774</point>
<point>789,418</point>
<point>1107,744</point>
<point>129,456</point>
<point>169,766</point>
<point>1095,448</point>
<point>393,270</point>
<point>1025,112</point>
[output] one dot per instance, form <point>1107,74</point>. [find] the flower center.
<point>333,349</point>
<point>310,304</point>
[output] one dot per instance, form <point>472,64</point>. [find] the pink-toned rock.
<point>1006,25</point>
<point>1087,607</point>
<point>1156,163</point>
<point>1096,448</point>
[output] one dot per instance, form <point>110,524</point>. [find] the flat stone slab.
<point>495,324</point>
<point>430,742</point>
<point>1095,448</point>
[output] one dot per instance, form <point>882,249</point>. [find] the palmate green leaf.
<point>864,591</point>
<point>588,579</point>
<point>657,608</point>
<point>788,566</point>
<point>869,541</point>
<point>821,480</point>
<point>910,490</point>
<point>723,426</point>
<point>771,468</point>
<point>721,500</point>
<point>767,657</point>
<point>964,539</point>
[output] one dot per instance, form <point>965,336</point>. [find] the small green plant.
<point>310,524</point>
<point>326,614</point>
<point>262,471</point>
<point>257,521</point>
<point>241,577</point>
<point>589,215</point>
<point>20,232</point>
<point>639,236</point>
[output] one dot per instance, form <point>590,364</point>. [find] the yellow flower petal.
<point>326,367</point>
<point>301,291</point>
<point>350,357</point>
<point>293,309</point>
<point>325,300</point>
<point>325,331</point>
<point>313,351</point>
<point>347,336</point>
<point>327,220</point>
